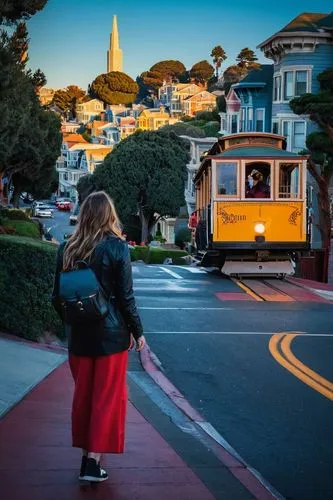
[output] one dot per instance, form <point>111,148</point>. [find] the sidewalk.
<point>36,457</point>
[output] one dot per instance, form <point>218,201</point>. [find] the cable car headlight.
<point>259,228</point>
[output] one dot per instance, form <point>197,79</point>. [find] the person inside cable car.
<point>256,187</point>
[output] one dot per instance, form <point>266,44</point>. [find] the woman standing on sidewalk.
<point>98,351</point>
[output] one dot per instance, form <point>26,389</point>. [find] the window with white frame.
<point>243,120</point>
<point>299,134</point>
<point>227,179</point>
<point>296,82</point>
<point>260,120</point>
<point>233,123</point>
<point>288,180</point>
<point>277,88</point>
<point>250,119</point>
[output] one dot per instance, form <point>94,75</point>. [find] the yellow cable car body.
<point>251,204</point>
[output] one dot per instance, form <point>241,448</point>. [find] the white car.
<point>43,211</point>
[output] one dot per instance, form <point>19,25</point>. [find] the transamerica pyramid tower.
<point>115,54</point>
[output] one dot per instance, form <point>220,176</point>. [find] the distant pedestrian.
<point>98,346</point>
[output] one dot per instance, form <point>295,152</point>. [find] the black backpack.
<point>81,297</point>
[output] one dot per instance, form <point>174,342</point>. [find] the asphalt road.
<point>217,354</point>
<point>58,225</point>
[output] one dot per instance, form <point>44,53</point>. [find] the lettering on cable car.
<point>230,218</point>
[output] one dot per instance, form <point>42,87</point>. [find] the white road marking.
<point>175,275</point>
<point>194,270</point>
<point>188,308</point>
<point>305,334</point>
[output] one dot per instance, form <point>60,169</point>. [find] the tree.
<point>19,42</point>
<point>233,74</point>
<point>184,128</point>
<point>67,99</point>
<point>247,60</point>
<point>201,72</point>
<point>219,55</point>
<point>114,88</point>
<point>11,10</point>
<point>145,175</point>
<point>38,79</point>
<point>169,70</point>
<point>320,144</point>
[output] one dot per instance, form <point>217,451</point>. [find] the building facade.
<point>198,147</point>
<point>87,111</point>
<point>249,103</point>
<point>300,51</point>
<point>155,118</point>
<point>201,101</point>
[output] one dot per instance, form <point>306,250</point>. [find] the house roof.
<point>195,96</point>
<point>73,138</point>
<point>307,22</point>
<point>260,77</point>
<point>89,145</point>
<point>257,151</point>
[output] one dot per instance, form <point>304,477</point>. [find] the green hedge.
<point>139,253</point>
<point>26,228</point>
<point>157,255</point>
<point>14,214</point>
<point>26,280</point>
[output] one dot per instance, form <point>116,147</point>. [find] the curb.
<point>43,346</point>
<point>249,477</point>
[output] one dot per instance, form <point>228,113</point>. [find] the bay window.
<point>296,82</point>
<point>260,117</point>
<point>288,92</point>
<point>277,88</point>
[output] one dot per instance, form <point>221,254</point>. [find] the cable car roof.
<point>258,152</point>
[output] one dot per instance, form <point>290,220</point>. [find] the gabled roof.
<point>194,96</point>
<point>73,138</point>
<point>260,77</point>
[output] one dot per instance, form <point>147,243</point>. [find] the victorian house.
<point>249,103</point>
<point>300,51</point>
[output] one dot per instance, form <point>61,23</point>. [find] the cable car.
<point>251,205</point>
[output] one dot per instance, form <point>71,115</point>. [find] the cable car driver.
<point>256,187</point>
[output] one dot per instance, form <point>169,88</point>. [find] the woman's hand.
<point>140,343</point>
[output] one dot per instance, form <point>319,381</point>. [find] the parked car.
<point>40,209</point>
<point>74,215</point>
<point>58,201</point>
<point>64,205</point>
<point>43,211</point>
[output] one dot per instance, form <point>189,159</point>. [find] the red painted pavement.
<point>37,460</point>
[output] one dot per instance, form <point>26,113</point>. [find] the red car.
<point>64,205</point>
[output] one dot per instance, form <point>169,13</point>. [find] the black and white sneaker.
<point>83,466</point>
<point>93,472</point>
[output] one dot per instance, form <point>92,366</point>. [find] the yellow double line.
<point>280,348</point>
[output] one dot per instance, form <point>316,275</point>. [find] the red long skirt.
<point>99,403</point>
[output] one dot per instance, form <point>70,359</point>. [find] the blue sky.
<point>69,38</point>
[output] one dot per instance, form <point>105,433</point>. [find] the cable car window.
<point>258,180</point>
<point>226,174</point>
<point>289,180</point>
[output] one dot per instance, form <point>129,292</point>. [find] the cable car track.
<point>266,290</point>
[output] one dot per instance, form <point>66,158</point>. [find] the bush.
<point>139,253</point>
<point>13,214</point>
<point>26,228</point>
<point>27,271</point>
<point>157,255</point>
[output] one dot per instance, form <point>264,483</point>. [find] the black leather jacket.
<point>112,265</point>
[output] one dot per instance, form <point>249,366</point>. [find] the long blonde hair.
<point>97,218</point>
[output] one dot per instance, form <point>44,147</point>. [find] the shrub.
<point>13,214</point>
<point>27,269</point>
<point>139,253</point>
<point>157,255</point>
<point>26,228</point>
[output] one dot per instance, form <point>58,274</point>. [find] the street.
<point>59,225</point>
<point>216,352</point>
